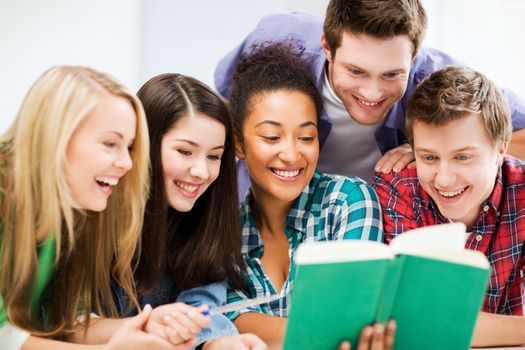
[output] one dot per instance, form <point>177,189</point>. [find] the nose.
<point>124,160</point>
<point>199,169</point>
<point>371,90</point>
<point>445,176</point>
<point>289,153</point>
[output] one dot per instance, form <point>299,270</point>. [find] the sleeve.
<point>398,212</point>
<point>359,216</point>
<point>213,294</point>
<point>11,337</point>
<point>235,295</point>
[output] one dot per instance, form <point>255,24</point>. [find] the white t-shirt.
<point>11,337</point>
<point>350,148</point>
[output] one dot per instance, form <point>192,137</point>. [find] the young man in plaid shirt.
<point>459,127</point>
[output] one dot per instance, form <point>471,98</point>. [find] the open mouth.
<point>185,187</point>
<point>105,183</point>
<point>452,194</point>
<point>369,105</point>
<point>287,175</point>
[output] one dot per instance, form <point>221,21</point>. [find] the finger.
<point>365,338</point>
<point>390,334</point>
<point>411,165</point>
<point>176,331</point>
<point>378,337</point>
<point>198,318</point>
<point>139,321</point>
<point>253,342</point>
<point>345,345</point>
<point>403,162</point>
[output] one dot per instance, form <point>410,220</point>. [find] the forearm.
<point>498,330</point>
<point>269,328</point>
<point>37,343</point>
<point>99,331</point>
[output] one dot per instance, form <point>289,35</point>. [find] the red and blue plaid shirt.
<point>499,231</point>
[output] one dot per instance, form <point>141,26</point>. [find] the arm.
<point>269,328</point>
<point>498,330</point>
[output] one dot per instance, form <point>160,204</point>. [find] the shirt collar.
<point>301,208</point>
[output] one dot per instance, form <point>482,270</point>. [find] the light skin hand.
<point>245,341</point>
<point>131,335</point>
<point>177,323</point>
<point>396,159</point>
<point>376,337</point>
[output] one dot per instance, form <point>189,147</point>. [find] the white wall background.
<point>136,39</point>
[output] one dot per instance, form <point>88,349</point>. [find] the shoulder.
<point>513,172</point>
<point>303,29</point>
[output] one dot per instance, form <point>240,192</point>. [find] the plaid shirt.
<point>330,207</point>
<point>499,231</point>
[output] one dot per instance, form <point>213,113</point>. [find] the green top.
<point>46,263</point>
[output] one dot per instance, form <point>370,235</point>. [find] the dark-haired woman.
<point>191,237</point>
<point>275,107</point>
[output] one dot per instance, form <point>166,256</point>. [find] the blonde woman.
<point>73,185</point>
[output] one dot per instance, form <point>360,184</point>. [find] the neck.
<point>269,213</point>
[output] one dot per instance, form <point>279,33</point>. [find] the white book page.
<point>340,251</point>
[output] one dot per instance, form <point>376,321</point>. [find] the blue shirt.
<point>331,207</point>
<point>304,31</point>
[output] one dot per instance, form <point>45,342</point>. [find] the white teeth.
<point>286,173</point>
<point>112,181</point>
<point>187,188</point>
<point>451,193</point>
<point>369,104</point>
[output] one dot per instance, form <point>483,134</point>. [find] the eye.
<point>462,157</point>
<point>271,138</point>
<point>356,71</point>
<point>214,157</point>
<point>307,138</point>
<point>428,157</point>
<point>184,152</point>
<point>110,144</point>
<point>391,75</point>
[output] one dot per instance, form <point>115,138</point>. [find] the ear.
<point>501,152</point>
<point>326,48</point>
<point>239,149</point>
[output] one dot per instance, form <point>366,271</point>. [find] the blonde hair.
<point>92,248</point>
<point>452,93</point>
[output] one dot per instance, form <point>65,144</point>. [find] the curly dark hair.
<point>266,68</point>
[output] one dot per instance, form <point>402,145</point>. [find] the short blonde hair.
<point>36,203</point>
<point>453,92</point>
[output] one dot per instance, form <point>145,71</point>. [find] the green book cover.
<point>432,288</point>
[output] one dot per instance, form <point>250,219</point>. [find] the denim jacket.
<point>165,292</point>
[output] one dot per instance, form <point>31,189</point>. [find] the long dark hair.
<point>203,245</point>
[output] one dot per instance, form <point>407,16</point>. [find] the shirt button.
<point>479,237</point>
<point>485,208</point>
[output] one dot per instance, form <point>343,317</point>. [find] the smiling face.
<point>98,152</point>
<point>369,74</point>
<point>457,165</point>
<point>191,159</point>
<point>280,146</point>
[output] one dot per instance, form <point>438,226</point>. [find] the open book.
<point>425,280</point>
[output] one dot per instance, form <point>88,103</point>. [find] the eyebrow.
<point>468,148</point>
<point>274,123</point>
<point>195,144</point>
<point>394,70</point>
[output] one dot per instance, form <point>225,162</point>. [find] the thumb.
<point>139,321</point>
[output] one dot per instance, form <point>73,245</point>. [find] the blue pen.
<point>241,304</point>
